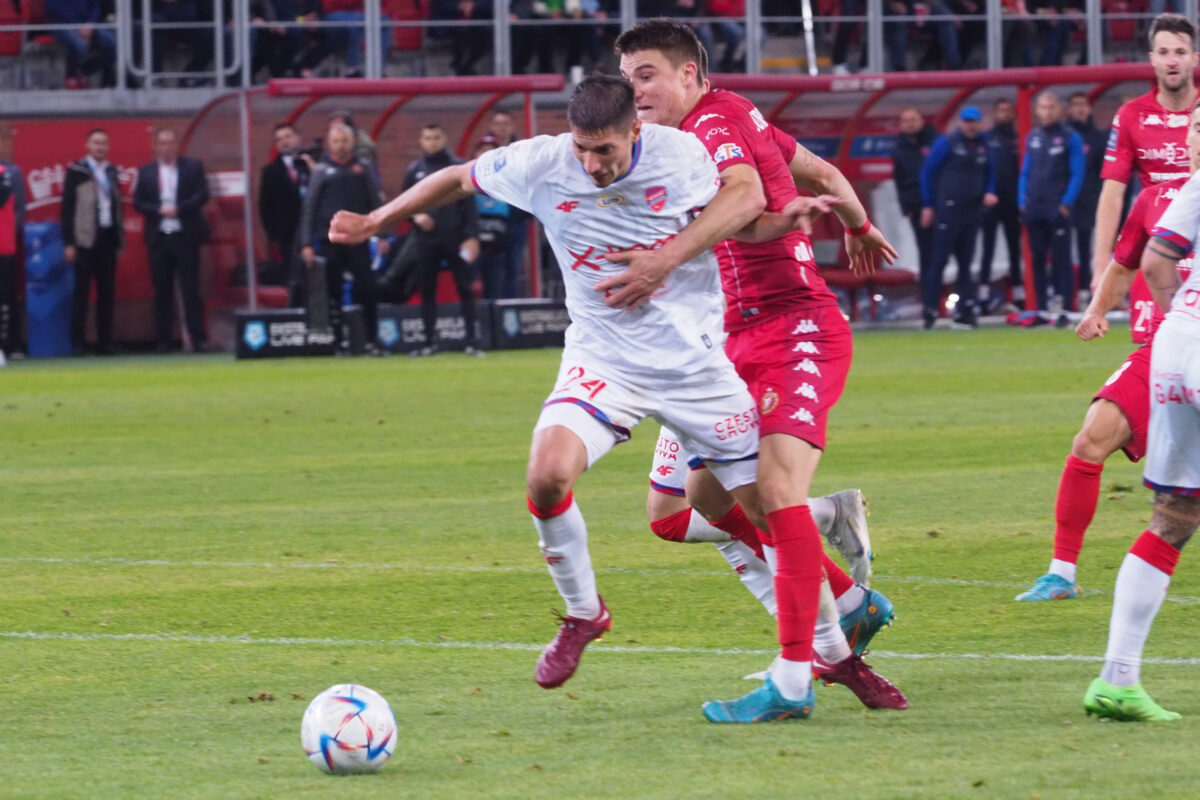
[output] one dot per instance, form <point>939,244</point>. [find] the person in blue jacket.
<point>957,182</point>
<point>1051,177</point>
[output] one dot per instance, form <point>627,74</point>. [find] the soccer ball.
<point>347,729</point>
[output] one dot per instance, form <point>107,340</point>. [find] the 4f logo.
<point>567,206</point>
<point>664,469</point>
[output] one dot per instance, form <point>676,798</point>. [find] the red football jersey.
<point>767,278</point>
<point>1145,316</point>
<point>1152,141</point>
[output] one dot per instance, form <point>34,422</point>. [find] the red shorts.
<point>796,366</point>
<point>1129,388</point>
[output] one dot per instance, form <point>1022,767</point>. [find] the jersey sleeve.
<point>504,173</point>
<point>1134,235</point>
<point>703,180</point>
<point>1180,224</point>
<point>726,138</point>
<point>1118,153</point>
<point>787,144</point>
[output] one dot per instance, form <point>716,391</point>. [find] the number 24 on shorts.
<point>575,376</point>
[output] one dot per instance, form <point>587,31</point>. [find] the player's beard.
<point>1175,84</point>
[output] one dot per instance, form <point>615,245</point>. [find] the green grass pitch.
<point>178,536</point>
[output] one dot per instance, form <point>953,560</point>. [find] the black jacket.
<point>907,159</point>
<point>1006,161</point>
<point>335,187</point>
<point>280,201</point>
<point>1094,142</point>
<point>453,223</point>
<point>190,197</point>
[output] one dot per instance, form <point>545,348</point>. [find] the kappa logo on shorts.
<point>803,415</point>
<point>806,390</point>
<point>806,326</point>
<point>770,401</point>
<point>809,366</point>
<point>806,347</point>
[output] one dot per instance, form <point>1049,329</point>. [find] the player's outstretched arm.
<point>798,215</point>
<point>739,201</point>
<point>439,189</point>
<point>1112,288</point>
<point>1158,265</point>
<point>864,243</point>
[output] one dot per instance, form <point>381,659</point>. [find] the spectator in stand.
<point>1055,24</point>
<point>972,33</point>
<point>87,48</point>
<point>342,182</point>
<point>584,42</point>
<point>502,128</point>
<point>533,40</point>
<point>1083,217</point>
<point>10,299</point>
<point>93,235</point>
<point>845,33</point>
<point>732,34</point>
<point>468,43</point>
<point>1006,162</point>
<point>493,233</point>
<point>281,189</point>
<point>344,38</point>
<point>913,143</point>
<point>957,183</point>
<point>8,258</point>
<point>447,236</point>
<point>170,194</point>
<point>896,33</point>
<point>1051,177</point>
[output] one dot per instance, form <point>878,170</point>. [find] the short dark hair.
<point>94,131</point>
<point>1173,23</point>
<point>600,103</point>
<point>675,40</point>
<point>1079,94</point>
<point>432,126</point>
<point>281,125</point>
<point>1000,100</point>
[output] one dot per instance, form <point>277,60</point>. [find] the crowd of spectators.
<point>969,180</point>
<point>326,37</point>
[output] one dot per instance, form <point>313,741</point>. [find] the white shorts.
<point>715,418</point>
<point>1173,440</point>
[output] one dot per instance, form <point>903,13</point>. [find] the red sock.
<point>674,527</point>
<point>1156,552</point>
<point>1078,495</point>
<point>798,555</point>
<point>739,526</point>
<point>839,581</point>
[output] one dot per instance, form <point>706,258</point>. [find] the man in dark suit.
<point>281,190</point>
<point>171,193</point>
<point>92,237</point>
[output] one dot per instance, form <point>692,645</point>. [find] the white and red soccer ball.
<point>348,729</point>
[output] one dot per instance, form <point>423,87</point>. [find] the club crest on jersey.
<point>770,401</point>
<point>726,151</point>
<point>656,197</point>
<point>610,200</point>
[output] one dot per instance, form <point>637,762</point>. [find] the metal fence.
<point>403,38</point>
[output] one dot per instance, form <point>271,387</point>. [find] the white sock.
<point>1137,598</point>
<point>563,540</point>
<point>753,571</point>
<point>701,530</point>
<point>1063,569</point>
<point>769,556</point>
<point>824,512</point>
<point>828,640</point>
<point>851,599</point>
<point>792,678</point>
<point>985,291</point>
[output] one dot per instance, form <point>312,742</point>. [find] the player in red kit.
<point>787,337</point>
<point>1148,136</point>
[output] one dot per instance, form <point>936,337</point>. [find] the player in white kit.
<point>1172,465</point>
<point>612,185</point>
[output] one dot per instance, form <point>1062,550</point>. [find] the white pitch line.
<point>174,638</point>
<point>1181,599</point>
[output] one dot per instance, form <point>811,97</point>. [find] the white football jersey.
<point>1180,225</point>
<point>678,331</point>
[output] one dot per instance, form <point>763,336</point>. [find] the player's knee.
<point>673,528</point>
<point>547,487</point>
